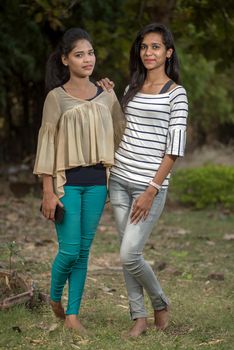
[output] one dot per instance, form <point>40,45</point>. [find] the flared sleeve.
<point>118,118</point>
<point>176,137</point>
<point>46,146</point>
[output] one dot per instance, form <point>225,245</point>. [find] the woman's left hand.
<point>142,205</point>
<point>106,84</point>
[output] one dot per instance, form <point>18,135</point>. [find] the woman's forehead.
<point>81,45</point>
<point>153,38</point>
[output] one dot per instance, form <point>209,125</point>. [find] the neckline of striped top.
<point>159,95</point>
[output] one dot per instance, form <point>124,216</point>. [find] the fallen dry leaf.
<point>122,296</point>
<point>228,237</point>
<point>123,306</point>
<point>37,341</point>
<point>7,282</point>
<point>212,342</point>
<point>12,217</point>
<point>182,232</point>
<point>53,327</point>
<point>84,341</point>
<point>212,243</point>
<point>108,290</point>
<point>92,279</point>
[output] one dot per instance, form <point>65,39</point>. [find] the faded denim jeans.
<point>138,273</point>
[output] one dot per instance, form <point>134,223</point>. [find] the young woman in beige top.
<point>81,127</point>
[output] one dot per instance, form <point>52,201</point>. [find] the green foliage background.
<point>30,29</point>
<point>202,187</point>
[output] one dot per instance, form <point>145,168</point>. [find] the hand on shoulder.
<point>106,84</point>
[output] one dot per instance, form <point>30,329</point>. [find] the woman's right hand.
<point>106,84</point>
<point>49,203</point>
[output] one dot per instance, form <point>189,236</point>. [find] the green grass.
<point>189,245</point>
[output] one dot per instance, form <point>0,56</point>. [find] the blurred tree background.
<point>30,29</point>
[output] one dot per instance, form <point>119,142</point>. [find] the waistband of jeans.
<point>123,181</point>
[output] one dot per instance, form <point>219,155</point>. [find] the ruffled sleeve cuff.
<point>176,141</point>
<point>45,157</point>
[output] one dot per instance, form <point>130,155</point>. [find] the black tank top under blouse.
<point>90,175</point>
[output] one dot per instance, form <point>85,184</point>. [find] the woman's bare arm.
<point>49,200</point>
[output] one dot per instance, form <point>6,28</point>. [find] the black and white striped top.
<point>156,125</point>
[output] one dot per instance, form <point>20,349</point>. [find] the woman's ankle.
<point>57,309</point>
<point>161,318</point>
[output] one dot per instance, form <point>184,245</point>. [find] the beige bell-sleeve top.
<point>76,132</point>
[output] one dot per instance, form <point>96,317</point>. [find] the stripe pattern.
<point>156,125</point>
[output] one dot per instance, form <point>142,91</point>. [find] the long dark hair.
<point>56,73</point>
<point>136,67</point>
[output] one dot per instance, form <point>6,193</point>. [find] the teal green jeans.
<point>83,209</point>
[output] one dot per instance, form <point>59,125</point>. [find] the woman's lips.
<point>88,67</point>
<point>149,61</point>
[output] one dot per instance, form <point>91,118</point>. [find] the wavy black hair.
<point>136,67</point>
<point>56,73</point>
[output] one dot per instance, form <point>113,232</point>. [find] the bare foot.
<point>139,328</point>
<point>73,322</point>
<point>161,319</point>
<point>58,309</point>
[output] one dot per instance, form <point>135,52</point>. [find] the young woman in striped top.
<point>156,110</point>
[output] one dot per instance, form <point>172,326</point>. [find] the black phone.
<point>59,213</point>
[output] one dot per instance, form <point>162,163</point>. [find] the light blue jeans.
<point>138,273</point>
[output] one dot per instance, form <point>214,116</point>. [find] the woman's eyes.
<point>79,55</point>
<point>154,47</point>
